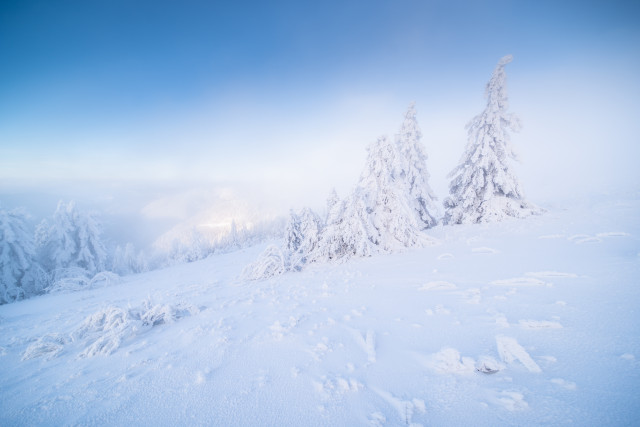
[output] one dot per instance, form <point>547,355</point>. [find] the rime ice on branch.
<point>483,187</point>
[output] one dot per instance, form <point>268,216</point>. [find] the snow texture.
<point>521,339</point>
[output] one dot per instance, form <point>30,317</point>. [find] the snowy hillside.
<point>528,321</point>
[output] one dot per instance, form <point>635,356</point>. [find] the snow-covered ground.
<point>532,321</point>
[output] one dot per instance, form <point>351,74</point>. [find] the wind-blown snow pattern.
<point>483,186</point>
<point>411,338</point>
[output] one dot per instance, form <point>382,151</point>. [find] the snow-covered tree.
<point>127,261</point>
<point>73,239</point>
<point>483,186</point>
<point>414,172</point>
<point>20,275</point>
<point>302,235</point>
<point>389,209</point>
<point>349,232</point>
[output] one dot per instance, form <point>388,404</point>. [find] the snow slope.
<point>524,322</point>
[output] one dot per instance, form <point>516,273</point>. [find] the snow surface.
<point>543,328</point>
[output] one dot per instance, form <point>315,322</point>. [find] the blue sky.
<point>282,97</point>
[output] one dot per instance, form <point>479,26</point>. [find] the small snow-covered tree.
<point>20,275</point>
<point>483,187</point>
<point>302,235</point>
<point>386,192</point>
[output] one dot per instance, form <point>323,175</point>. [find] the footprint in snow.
<point>405,408</point>
<point>367,343</point>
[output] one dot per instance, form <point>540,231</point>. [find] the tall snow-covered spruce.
<point>389,209</point>
<point>483,186</point>
<point>413,170</point>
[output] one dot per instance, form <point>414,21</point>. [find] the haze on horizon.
<point>157,110</point>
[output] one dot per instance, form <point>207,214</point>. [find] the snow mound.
<point>488,365</point>
<point>510,350</point>
<point>449,361</point>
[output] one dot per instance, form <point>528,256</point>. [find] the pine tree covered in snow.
<point>483,187</point>
<point>388,210</point>
<point>73,239</point>
<point>20,275</point>
<point>302,235</point>
<point>414,170</point>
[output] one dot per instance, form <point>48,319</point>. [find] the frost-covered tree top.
<point>483,186</point>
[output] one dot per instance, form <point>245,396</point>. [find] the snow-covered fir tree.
<point>20,275</point>
<point>389,209</point>
<point>413,170</point>
<point>302,235</point>
<point>483,186</point>
<point>73,239</point>
<point>349,231</point>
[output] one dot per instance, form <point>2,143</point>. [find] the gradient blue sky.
<point>104,98</point>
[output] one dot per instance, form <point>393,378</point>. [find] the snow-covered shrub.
<point>103,332</point>
<point>76,279</point>
<point>483,186</point>
<point>271,262</point>
<point>48,346</point>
